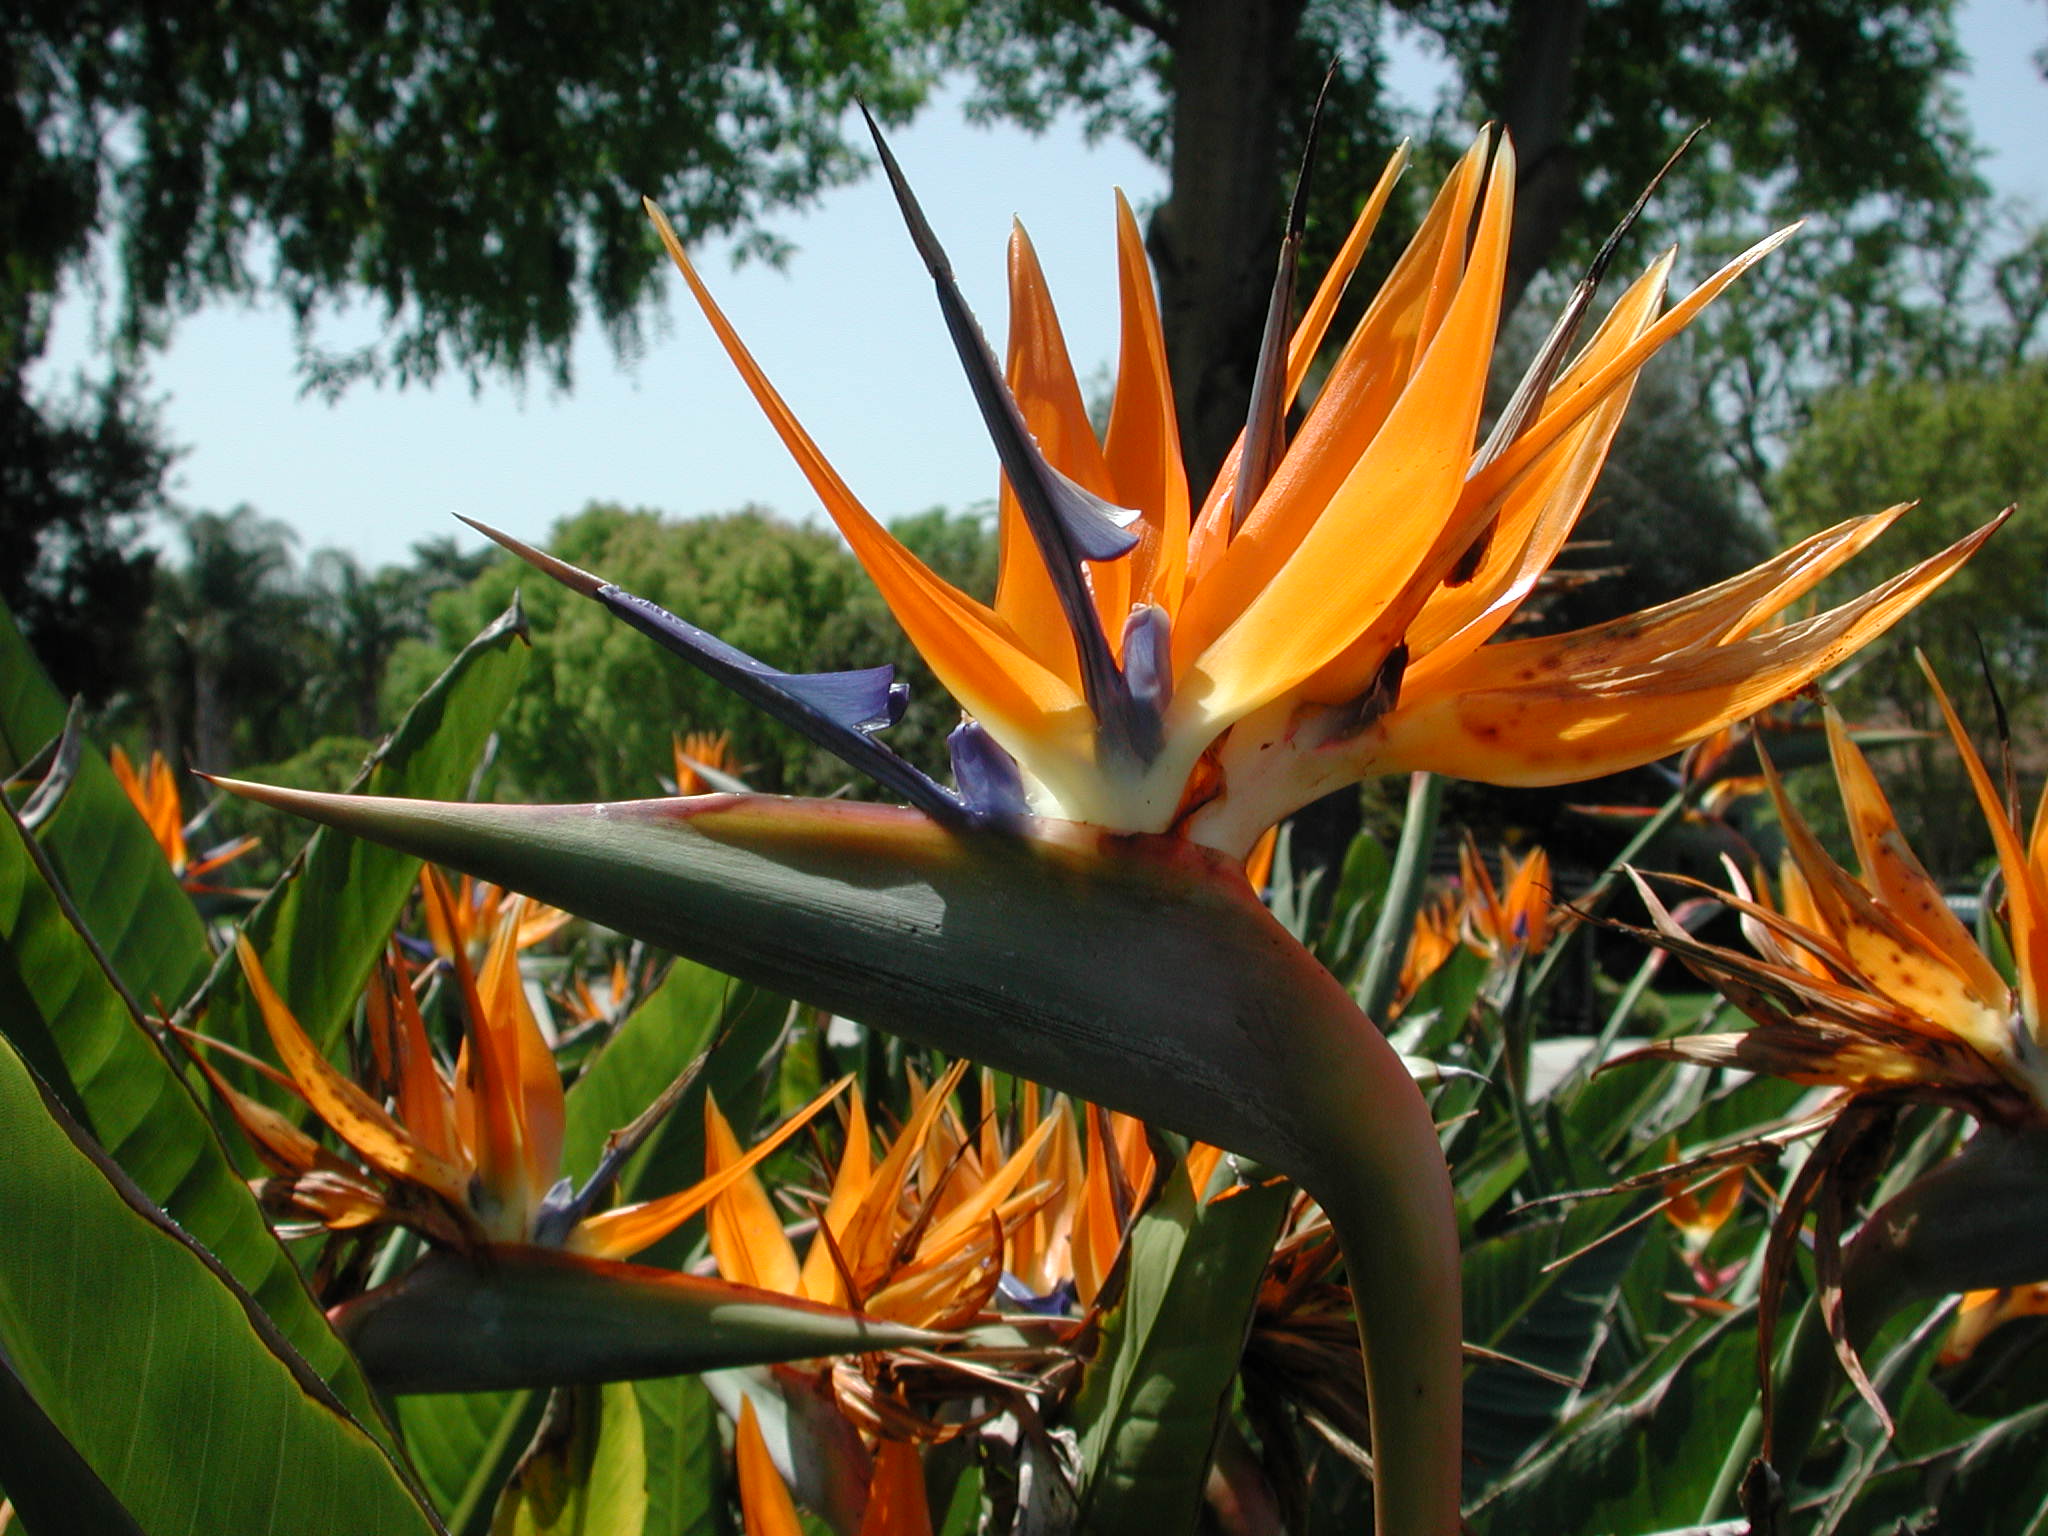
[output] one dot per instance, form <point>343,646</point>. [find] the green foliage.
<point>596,713</point>
<point>78,473</point>
<point>478,173</point>
<point>132,1339</point>
<point>1963,447</point>
<point>226,637</point>
<point>1891,293</point>
<point>1831,108</point>
<point>98,846</point>
<point>251,653</point>
<point>475,175</point>
<point>588,1473</point>
<point>70,1021</point>
<point>1153,1397</point>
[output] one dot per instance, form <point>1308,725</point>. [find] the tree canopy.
<point>476,171</point>
<point>473,172</point>
<point>1963,447</point>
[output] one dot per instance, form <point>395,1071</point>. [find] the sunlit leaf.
<point>66,1014</point>
<point>169,1381</point>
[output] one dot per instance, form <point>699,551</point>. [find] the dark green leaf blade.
<point>140,1112</point>
<point>1150,1400</point>
<point>1553,1320</point>
<point>111,866</point>
<point>172,1385</point>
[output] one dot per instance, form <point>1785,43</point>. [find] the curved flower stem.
<point>1388,1195</point>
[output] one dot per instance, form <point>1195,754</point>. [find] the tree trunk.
<point>213,721</point>
<point>1213,242</point>
<point>1536,108</point>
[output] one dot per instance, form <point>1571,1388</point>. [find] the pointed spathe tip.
<point>573,577</point>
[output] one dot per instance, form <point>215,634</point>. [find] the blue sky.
<point>847,329</point>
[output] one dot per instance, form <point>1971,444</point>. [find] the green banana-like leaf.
<point>1976,1222</point>
<point>1999,1480</point>
<point>636,1458</point>
<point>111,867</point>
<point>587,1473</point>
<point>65,1014</point>
<point>1138,972</point>
<point>1551,1318</point>
<point>31,709</point>
<point>319,932</point>
<point>685,1464</point>
<point>464,1445</point>
<point>1640,1456</point>
<point>166,1378</point>
<point>1151,1399</point>
<point>539,1317</point>
<point>48,1484</point>
<point>1403,899</point>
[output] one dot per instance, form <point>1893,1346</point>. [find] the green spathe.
<point>537,1317</point>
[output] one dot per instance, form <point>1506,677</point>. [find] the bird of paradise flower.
<point>948,1227</point>
<point>153,792</point>
<point>470,1160</point>
<point>1871,985</point>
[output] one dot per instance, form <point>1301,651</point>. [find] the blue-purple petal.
<point>1067,523</point>
<point>987,775</point>
<point>836,710</point>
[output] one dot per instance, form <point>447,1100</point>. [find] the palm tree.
<point>363,616</point>
<point>229,629</point>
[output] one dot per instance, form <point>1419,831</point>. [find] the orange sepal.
<point>746,1235</point>
<point>538,1101</point>
<point>155,799</point>
<point>624,1231</point>
<point>896,1497</point>
<point>1895,874</point>
<point>870,1238</point>
<point>2026,898</point>
<point>354,1116</point>
<point>766,1509</point>
<point>425,1102</point>
<point>1597,701</point>
<point>1041,377</point>
<point>820,1279</point>
<point>1275,627</point>
<point>1141,445</point>
<point>982,662</point>
<point>488,1118</point>
<point>282,1146</point>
